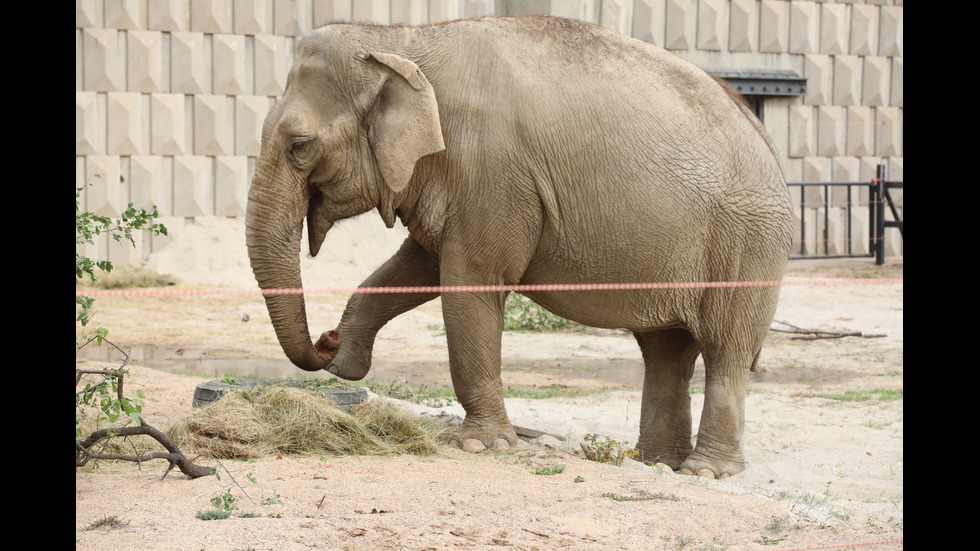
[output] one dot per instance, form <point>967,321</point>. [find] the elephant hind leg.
<point>719,452</point>
<point>665,412</point>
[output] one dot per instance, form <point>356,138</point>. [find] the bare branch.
<point>814,334</point>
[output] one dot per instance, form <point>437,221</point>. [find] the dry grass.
<point>273,420</point>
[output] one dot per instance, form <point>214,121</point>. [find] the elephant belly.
<point>633,309</point>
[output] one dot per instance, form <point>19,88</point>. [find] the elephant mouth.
<point>317,223</point>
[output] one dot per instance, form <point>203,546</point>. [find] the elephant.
<point>531,150</point>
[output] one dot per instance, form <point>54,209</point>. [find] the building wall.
<point>170,95</point>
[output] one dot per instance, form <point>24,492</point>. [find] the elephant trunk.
<point>273,230</point>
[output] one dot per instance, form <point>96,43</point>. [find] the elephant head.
<point>343,139</point>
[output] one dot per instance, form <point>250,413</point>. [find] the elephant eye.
<point>301,150</point>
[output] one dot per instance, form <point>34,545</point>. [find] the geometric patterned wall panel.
<point>124,135</point>
<point>88,130</point>
<point>231,180</point>
<point>817,69</point>
<point>273,58</point>
<point>105,196</point>
<point>875,81</point>
<point>169,15</point>
<point>372,10</point>
<point>864,30</point>
<point>250,112</point>
<point>230,76</point>
<point>831,130</point>
<point>804,37</point>
<point>193,186</point>
<point>712,32</point>
<point>897,96</point>
<point>681,25</point>
<point>190,66</point>
<point>212,16</point>
<point>334,10</point>
<point>833,29</point>
<point>102,60</point>
<point>649,21</point>
<point>408,12</point>
<point>171,94</point>
<point>295,18</point>
<point>618,15</point>
<point>253,16</point>
<point>890,123</point>
<point>150,183</point>
<point>444,10</point>
<point>144,63</point>
<point>860,131</point>
<point>214,132</point>
<point>802,131</point>
<point>773,26</point>
<point>744,26</point>
<point>892,25</point>
<point>169,133</point>
<point>847,80</point>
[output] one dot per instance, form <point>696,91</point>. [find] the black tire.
<point>211,391</point>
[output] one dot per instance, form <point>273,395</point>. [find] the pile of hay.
<point>271,420</point>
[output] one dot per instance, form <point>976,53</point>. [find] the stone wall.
<point>170,95</point>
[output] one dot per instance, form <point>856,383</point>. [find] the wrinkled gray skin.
<point>531,150</point>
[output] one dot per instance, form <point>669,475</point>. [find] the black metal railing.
<point>834,204</point>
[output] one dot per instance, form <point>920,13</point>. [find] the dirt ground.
<point>822,471</point>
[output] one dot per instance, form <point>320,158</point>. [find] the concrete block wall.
<point>170,95</point>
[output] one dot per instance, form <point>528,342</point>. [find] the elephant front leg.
<point>350,345</point>
<point>474,322</point>
<point>665,412</point>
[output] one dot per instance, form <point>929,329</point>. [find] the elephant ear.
<point>403,125</point>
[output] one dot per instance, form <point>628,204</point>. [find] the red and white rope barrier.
<point>486,288</point>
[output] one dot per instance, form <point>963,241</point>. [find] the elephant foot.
<point>328,344</point>
<point>472,445</point>
<point>477,439</point>
<point>706,468</point>
<point>672,456</point>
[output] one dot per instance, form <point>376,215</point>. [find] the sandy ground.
<point>822,471</point>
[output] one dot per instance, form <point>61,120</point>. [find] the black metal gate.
<point>833,207</point>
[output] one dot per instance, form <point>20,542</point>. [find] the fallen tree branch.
<point>83,448</point>
<point>176,458</point>
<point>814,334</point>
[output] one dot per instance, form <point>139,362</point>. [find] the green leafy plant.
<point>606,450</point>
<point>274,500</point>
<point>105,396</point>
<point>88,226</point>
<point>224,502</point>
<point>523,314</point>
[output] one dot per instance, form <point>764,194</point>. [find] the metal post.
<point>877,192</point>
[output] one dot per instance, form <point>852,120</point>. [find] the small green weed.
<point>641,495</point>
<point>426,395</point>
<point>213,514</point>
<point>225,502</point>
<point>880,394</point>
<point>107,522</point>
<point>555,468</point>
